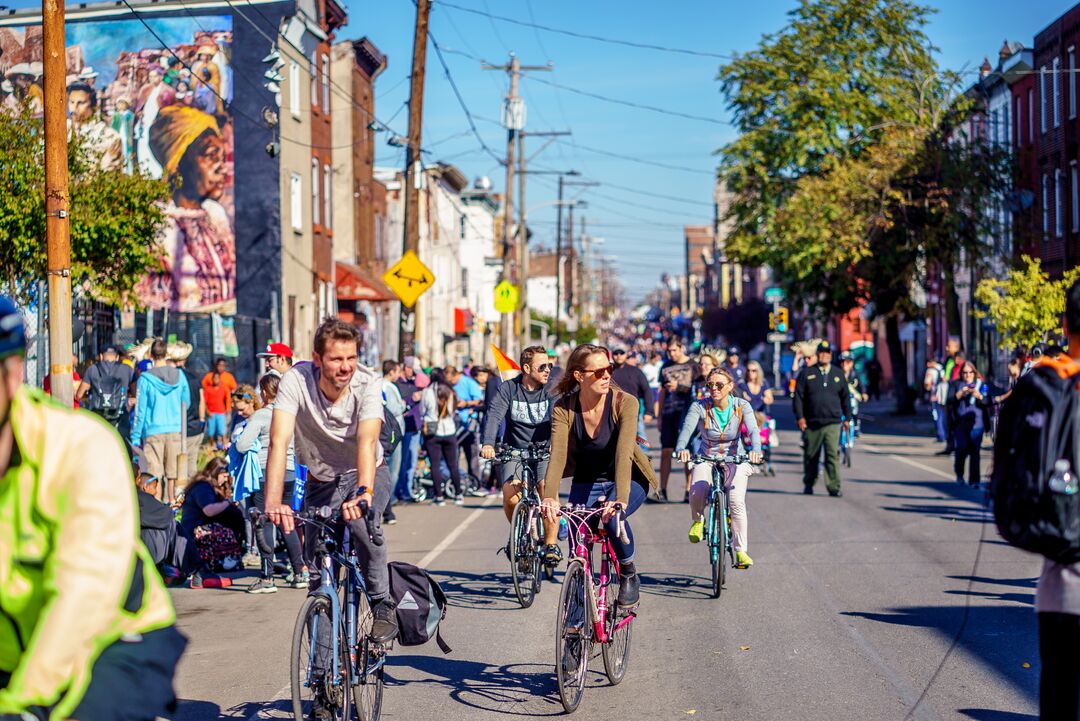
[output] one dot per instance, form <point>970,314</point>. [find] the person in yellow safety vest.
<point>86,626</point>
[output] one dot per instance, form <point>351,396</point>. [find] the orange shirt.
<point>228,385</point>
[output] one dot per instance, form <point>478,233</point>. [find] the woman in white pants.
<point>719,420</point>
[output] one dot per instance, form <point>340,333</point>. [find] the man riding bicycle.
<point>86,627</point>
<point>525,404</point>
<point>334,405</point>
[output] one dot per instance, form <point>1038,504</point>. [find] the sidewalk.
<point>879,415</point>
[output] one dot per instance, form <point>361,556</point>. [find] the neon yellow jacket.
<point>74,576</point>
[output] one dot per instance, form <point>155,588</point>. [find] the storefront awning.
<point>355,283</point>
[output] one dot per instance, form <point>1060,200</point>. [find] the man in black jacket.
<point>632,380</point>
<point>822,401</point>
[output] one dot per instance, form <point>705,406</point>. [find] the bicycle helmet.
<point>12,329</point>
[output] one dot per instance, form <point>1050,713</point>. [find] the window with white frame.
<point>294,89</point>
<point>1072,82</point>
<point>1045,205</point>
<point>326,83</point>
<point>296,201</point>
<point>314,68</point>
<point>1059,205</point>
<point>1074,189</point>
<point>1042,99</point>
<point>316,201</point>
<point>1056,85</point>
<point>328,196</point>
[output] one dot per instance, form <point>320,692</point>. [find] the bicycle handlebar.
<point>533,452</point>
<point>586,512</point>
<point>321,516</point>
<point>698,458</point>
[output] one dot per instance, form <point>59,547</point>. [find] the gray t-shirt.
<point>1059,588</point>
<point>326,432</point>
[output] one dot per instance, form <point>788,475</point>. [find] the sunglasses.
<point>716,386</point>
<point>598,372</point>
<point>542,368</point>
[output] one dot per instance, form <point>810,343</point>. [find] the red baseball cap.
<point>276,349</point>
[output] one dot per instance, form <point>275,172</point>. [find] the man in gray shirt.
<point>334,406</point>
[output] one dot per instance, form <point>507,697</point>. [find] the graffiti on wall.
<point>160,102</point>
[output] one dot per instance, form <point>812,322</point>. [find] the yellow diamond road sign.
<point>506,297</point>
<point>409,278</point>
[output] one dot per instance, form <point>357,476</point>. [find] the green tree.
<point>114,218</point>
<point>1026,306</point>
<point>848,177</point>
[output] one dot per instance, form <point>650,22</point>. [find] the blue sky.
<point>641,230</point>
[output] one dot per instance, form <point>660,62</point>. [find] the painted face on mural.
<point>80,106</point>
<point>203,169</point>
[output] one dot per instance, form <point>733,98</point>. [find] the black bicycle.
<point>526,525</point>
<point>335,665</point>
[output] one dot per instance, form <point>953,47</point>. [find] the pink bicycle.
<point>588,610</point>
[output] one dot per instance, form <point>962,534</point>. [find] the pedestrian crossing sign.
<point>409,279</point>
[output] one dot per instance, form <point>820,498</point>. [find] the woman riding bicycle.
<point>719,421</point>
<point>594,440</point>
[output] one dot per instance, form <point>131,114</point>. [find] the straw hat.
<point>179,351</point>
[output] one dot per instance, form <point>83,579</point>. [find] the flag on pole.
<point>508,368</point>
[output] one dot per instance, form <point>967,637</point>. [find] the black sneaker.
<point>384,628</point>
<point>808,490</point>
<point>663,496</point>
<point>551,555</point>
<point>629,590</point>
<point>837,493</point>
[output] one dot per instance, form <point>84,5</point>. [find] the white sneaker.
<point>263,585</point>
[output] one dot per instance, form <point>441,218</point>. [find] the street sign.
<point>778,337</point>
<point>409,279</point>
<point>506,297</point>
<point>774,295</point>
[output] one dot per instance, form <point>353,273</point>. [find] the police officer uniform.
<point>822,399</point>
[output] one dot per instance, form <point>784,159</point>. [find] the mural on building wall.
<point>165,111</point>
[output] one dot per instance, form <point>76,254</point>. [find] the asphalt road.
<point>896,601</point>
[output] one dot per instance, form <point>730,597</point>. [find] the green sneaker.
<point>742,560</point>
<point>697,531</point>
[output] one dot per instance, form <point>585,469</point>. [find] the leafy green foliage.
<point>1026,306</point>
<point>114,218</point>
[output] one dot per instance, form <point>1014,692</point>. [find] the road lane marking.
<point>915,464</point>
<point>453,535</point>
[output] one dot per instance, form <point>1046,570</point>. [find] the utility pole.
<point>57,230</point>
<point>414,168</point>
<point>514,121</point>
<point>559,243</point>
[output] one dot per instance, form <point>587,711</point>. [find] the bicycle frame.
<point>584,538</point>
<point>718,477</point>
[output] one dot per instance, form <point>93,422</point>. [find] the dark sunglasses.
<point>542,368</point>
<point>716,386</point>
<point>598,372</point>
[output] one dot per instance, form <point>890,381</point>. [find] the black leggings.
<point>292,539</point>
<point>441,448</point>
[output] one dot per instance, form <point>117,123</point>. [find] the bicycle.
<point>356,663</point>
<point>586,617</point>
<point>422,483</point>
<point>847,442</point>
<point>526,525</point>
<point>718,536</point>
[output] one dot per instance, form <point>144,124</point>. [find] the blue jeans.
<point>588,494</point>
<point>937,411</point>
<point>410,452</point>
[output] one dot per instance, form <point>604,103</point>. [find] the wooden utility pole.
<point>523,250</point>
<point>514,122</point>
<point>57,231</point>
<point>414,169</point>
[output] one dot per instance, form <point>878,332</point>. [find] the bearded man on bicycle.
<point>334,406</point>
<point>86,627</point>
<point>525,404</point>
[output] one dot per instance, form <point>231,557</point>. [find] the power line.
<point>587,36</point>
<point>631,159</point>
<point>631,104</point>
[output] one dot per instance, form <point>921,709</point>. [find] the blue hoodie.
<point>160,391</point>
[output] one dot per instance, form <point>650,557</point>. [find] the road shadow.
<point>986,714</point>
<point>677,585</point>
<point>1002,637</point>
<point>279,709</point>
<point>493,591</point>
<point>191,710</point>
<point>1000,596</point>
<point>526,690</point>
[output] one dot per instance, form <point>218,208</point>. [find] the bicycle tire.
<point>538,570</point>
<point>305,694</point>
<point>574,649</point>
<point>417,489</point>
<point>368,688</point>
<point>524,557</point>
<point>616,651</point>
<point>718,545</point>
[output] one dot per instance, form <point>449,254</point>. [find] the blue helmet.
<point>12,329</point>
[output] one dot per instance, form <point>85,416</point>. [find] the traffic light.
<point>782,320</point>
<point>772,321</point>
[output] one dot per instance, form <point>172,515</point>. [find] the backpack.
<point>420,602</point>
<point>1039,425</point>
<point>109,396</point>
<point>390,433</point>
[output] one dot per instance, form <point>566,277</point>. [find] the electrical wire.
<point>587,36</point>
<point>631,104</point>
<point>642,161</point>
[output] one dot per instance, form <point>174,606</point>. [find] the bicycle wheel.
<point>417,489</point>
<point>538,570</point>
<point>616,651</point>
<point>314,685</point>
<point>718,544</point>
<point>524,556</point>
<point>573,637</point>
<point>470,483</point>
<point>368,686</point>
